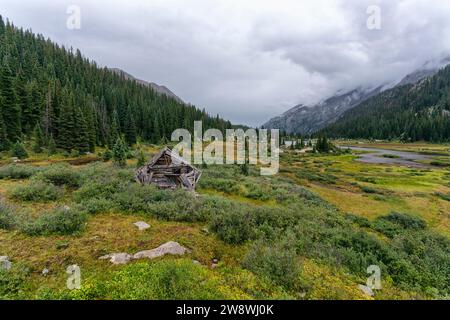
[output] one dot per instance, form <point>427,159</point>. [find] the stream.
<point>384,156</point>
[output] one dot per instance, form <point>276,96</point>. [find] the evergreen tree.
<point>8,105</point>
<point>81,140</point>
<point>130,129</point>
<point>140,158</point>
<point>119,153</point>
<point>4,143</point>
<point>38,139</point>
<point>19,151</point>
<point>41,82</point>
<point>66,128</point>
<point>51,146</point>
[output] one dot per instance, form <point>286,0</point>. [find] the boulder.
<point>173,248</point>
<point>118,258</point>
<point>5,264</point>
<point>142,225</point>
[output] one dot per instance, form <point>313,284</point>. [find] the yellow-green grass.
<point>395,188</point>
<point>424,147</point>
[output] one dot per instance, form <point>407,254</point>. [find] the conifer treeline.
<point>410,113</point>
<point>74,103</point>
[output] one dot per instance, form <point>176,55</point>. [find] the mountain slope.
<point>308,120</point>
<point>412,112</point>
<point>159,89</point>
<point>76,104</point>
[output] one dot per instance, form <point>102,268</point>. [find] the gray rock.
<point>366,290</point>
<point>196,262</point>
<point>45,272</point>
<point>142,225</point>
<point>173,248</point>
<point>118,258</point>
<point>5,264</point>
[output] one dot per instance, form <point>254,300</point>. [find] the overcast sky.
<point>248,60</point>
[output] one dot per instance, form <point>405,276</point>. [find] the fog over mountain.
<point>249,60</point>
<point>307,120</point>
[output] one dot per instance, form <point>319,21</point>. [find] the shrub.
<point>96,205</point>
<point>13,282</point>
<point>278,263</point>
<point>61,175</point>
<point>18,171</point>
<point>119,153</point>
<point>368,190</point>
<point>360,221</point>
<point>61,221</point>
<point>396,223</point>
<point>444,196</point>
<point>7,220</point>
<point>160,280</point>
<point>107,155</point>
<point>19,151</point>
<point>38,191</point>
<point>234,227</point>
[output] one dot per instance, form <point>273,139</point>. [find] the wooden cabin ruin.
<point>167,170</point>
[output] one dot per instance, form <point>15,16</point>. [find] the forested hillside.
<point>55,93</point>
<point>412,112</point>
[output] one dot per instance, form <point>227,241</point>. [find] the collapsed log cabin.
<point>167,170</point>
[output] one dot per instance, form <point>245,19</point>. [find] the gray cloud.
<point>248,60</point>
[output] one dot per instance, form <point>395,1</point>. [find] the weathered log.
<point>162,172</point>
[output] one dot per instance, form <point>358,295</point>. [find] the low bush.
<point>61,221</point>
<point>279,263</point>
<point>160,280</point>
<point>234,227</point>
<point>13,282</point>
<point>396,223</point>
<point>7,220</point>
<point>444,196</point>
<point>368,190</point>
<point>18,151</point>
<point>96,205</point>
<point>18,171</point>
<point>37,191</point>
<point>61,175</point>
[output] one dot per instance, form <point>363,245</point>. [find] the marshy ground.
<point>308,233</point>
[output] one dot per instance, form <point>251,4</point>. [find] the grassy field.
<point>308,233</point>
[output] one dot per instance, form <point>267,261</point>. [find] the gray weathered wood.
<point>164,173</point>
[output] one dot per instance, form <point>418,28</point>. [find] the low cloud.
<point>249,60</point>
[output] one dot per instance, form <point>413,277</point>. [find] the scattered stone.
<point>45,272</point>
<point>118,258</point>
<point>215,261</point>
<point>366,290</point>
<point>205,230</point>
<point>196,262</point>
<point>173,248</point>
<point>5,264</point>
<point>214,265</point>
<point>142,225</point>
